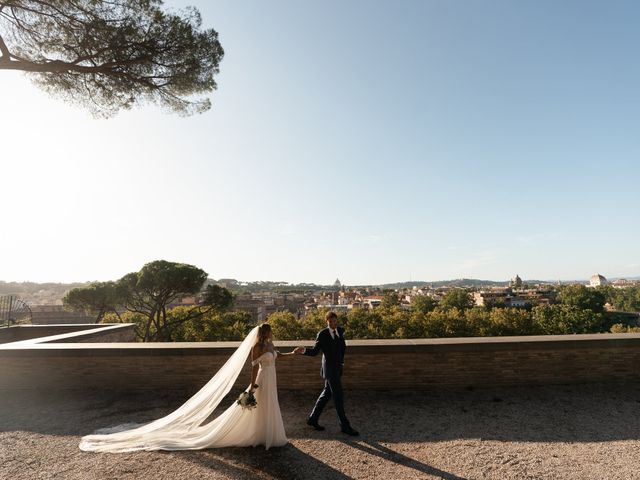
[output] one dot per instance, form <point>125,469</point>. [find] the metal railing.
<point>14,311</point>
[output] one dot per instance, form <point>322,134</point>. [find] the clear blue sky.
<point>366,140</point>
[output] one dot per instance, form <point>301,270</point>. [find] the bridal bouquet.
<point>247,401</point>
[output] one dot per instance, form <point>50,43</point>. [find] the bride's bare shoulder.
<point>256,351</point>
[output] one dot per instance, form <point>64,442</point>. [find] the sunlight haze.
<point>370,141</point>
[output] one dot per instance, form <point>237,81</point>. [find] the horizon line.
<point>531,280</point>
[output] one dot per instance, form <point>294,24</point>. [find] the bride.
<point>185,428</point>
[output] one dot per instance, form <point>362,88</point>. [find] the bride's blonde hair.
<point>263,332</point>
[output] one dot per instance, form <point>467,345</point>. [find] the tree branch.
<point>6,54</point>
<point>111,54</point>
<point>59,66</point>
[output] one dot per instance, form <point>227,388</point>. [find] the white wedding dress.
<point>185,428</point>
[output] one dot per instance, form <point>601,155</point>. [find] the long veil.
<point>178,424</point>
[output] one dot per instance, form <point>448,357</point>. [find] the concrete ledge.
<point>60,343</point>
<point>87,333</point>
<point>370,364</point>
<point>34,334</point>
<point>17,333</point>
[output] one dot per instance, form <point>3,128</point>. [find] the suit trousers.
<point>332,389</point>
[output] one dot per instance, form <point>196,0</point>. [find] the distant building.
<point>505,297</point>
<point>183,302</point>
<point>253,306</point>
<point>597,280</point>
<point>372,301</point>
<point>337,284</point>
<point>541,297</point>
<point>490,298</point>
<point>516,302</point>
<point>338,308</point>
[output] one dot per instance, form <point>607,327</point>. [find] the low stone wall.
<point>370,364</point>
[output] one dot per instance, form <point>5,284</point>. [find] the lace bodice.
<point>267,359</point>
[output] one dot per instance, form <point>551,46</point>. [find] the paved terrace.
<point>519,432</point>
<point>447,408</point>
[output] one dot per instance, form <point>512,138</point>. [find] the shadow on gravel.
<point>561,413</point>
<point>551,413</point>
<point>285,462</point>
<point>81,412</point>
<point>569,413</point>
<point>389,455</point>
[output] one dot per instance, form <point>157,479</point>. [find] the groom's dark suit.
<point>333,350</point>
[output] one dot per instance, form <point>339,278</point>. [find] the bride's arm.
<point>310,352</point>
<point>285,355</point>
<point>255,354</point>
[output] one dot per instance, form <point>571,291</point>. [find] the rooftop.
<point>543,432</point>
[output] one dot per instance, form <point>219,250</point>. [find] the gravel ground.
<point>557,432</point>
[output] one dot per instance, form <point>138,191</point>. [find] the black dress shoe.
<point>315,425</point>
<point>350,431</point>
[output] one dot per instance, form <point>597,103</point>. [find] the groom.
<point>330,342</point>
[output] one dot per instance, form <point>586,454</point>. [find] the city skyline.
<point>347,284</point>
<point>419,140</point>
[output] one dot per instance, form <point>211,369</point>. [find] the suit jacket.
<point>332,352</point>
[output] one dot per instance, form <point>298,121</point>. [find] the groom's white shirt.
<point>334,334</point>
